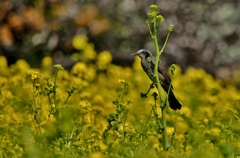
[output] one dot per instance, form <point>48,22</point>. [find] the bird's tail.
<point>173,102</point>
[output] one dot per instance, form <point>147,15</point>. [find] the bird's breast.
<point>148,67</point>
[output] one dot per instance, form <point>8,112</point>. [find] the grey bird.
<point>148,64</point>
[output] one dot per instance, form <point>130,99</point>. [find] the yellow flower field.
<point>95,110</point>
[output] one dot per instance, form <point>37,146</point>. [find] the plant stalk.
<point>163,108</point>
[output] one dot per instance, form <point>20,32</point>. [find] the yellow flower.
<point>98,99</point>
<point>79,42</point>
<point>122,81</point>
<point>215,132</point>
<point>186,112</point>
<point>47,61</point>
<point>58,67</point>
<point>179,137</point>
<point>75,56</point>
<point>79,69</point>
<point>18,150</point>
<point>97,155</point>
<point>7,94</point>
<point>154,7</point>
<point>3,62</point>
<point>35,76</point>
<point>89,52</point>
<point>21,65</point>
<point>104,59</point>
<point>182,127</point>
<point>205,121</point>
<point>82,71</point>
<point>170,131</point>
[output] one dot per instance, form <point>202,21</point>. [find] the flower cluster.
<point>85,112</point>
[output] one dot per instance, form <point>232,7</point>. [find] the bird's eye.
<point>146,54</point>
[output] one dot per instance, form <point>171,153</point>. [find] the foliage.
<point>95,110</point>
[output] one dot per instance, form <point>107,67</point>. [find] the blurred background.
<point>206,32</point>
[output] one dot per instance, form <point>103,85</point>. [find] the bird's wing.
<point>164,72</point>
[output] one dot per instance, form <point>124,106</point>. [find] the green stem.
<point>165,43</point>
<point>35,98</point>
<point>55,89</point>
<point>164,124</point>
<point>163,109</point>
<point>125,119</point>
<point>71,136</point>
<point>67,99</point>
<point>120,103</point>
<point>157,60</point>
<point>35,95</point>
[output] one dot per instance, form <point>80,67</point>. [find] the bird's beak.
<point>134,54</point>
<point>137,53</point>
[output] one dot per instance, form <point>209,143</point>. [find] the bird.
<point>148,64</point>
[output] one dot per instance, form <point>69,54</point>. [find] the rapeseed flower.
<point>104,59</point>
<point>79,42</point>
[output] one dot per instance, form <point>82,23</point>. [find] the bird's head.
<point>143,53</point>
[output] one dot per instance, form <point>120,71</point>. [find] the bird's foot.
<point>144,95</point>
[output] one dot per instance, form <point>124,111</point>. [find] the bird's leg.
<point>144,95</point>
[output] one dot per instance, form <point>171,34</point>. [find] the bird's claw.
<point>152,86</point>
<point>143,95</point>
